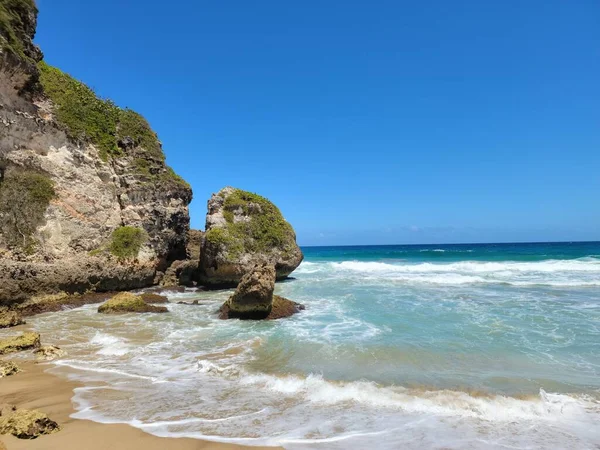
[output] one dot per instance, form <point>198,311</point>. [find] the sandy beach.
<point>36,389</point>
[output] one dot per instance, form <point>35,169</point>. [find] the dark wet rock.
<point>282,308</point>
<point>25,341</point>
<point>181,273</point>
<point>61,301</point>
<point>150,297</point>
<point>126,302</point>
<point>194,303</point>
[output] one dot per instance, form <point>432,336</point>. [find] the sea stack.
<point>242,230</point>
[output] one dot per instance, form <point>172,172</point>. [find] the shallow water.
<point>409,347</point>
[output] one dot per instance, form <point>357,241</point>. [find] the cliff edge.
<point>87,201</point>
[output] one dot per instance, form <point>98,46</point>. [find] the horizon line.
<point>451,243</point>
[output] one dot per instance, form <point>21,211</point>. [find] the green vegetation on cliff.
<point>127,241</point>
<point>24,198</point>
<point>261,227</point>
<point>12,26</point>
<point>114,131</point>
<point>84,115</point>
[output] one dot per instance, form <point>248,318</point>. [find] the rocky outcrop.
<point>49,353</point>
<point>243,229</point>
<point>253,299</point>
<point>8,368</point>
<point>181,273</point>
<point>10,319</point>
<point>26,424</point>
<point>106,168</point>
<point>26,341</point>
<point>127,303</point>
<point>150,297</point>
<point>21,280</point>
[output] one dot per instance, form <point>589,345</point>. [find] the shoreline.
<point>34,388</point>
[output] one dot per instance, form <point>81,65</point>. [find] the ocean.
<point>487,346</point>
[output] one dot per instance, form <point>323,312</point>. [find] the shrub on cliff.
<point>12,26</point>
<point>126,242</point>
<point>24,198</point>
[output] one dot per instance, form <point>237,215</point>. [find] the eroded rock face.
<point>21,280</point>
<point>10,319</point>
<point>126,302</point>
<point>25,341</point>
<point>253,298</point>
<point>94,194</point>
<point>8,368</point>
<point>26,424</point>
<point>49,353</point>
<point>243,229</point>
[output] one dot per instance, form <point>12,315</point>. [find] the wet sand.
<point>35,389</point>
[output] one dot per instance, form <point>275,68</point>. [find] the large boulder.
<point>253,298</point>
<point>243,229</point>
<point>126,302</point>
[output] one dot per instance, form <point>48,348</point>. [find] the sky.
<point>366,122</point>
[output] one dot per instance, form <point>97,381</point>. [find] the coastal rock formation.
<point>26,424</point>
<point>26,341</point>
<point>126,302</point>
<point>253,298</point>
<point>22,280</point>
<point>150,297</point>
<point>10,319</point>
<point>8,368</point>
<point>83,184</point>
<point>49,352</point>
<point>181,273</point>
<point>243,229</point>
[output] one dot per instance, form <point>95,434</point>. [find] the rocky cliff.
<point>74,170</point>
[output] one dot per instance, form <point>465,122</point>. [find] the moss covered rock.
<point>243,229</point>
<point>27,424</point>
<point>126,302</point>
<point>10,319</point>
<point>26,341</point>
<point>8,368</point>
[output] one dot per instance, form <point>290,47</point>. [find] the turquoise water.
<point>443,346</point>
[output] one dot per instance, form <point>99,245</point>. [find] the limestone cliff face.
<point>96,191</point>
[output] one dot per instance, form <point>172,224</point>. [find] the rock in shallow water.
<point>26,424</point>
<point>10,319</point>
<point>126,302</point>
<point>26,341</point>
<point>49,353</point>
<point>253,298</point>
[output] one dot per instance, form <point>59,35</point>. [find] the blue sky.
<point>366,122</point>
